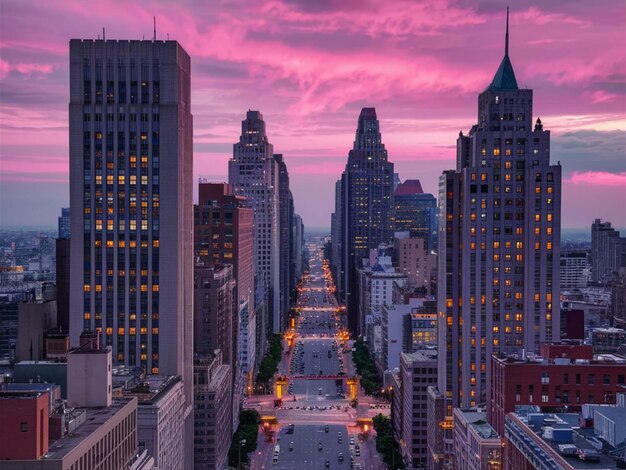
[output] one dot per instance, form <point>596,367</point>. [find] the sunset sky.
<point>309,66</point>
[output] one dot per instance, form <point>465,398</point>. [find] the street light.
<point>242,442</point>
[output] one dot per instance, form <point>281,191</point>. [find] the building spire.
<point>506,38</point>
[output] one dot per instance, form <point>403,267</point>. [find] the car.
<point>352,441</point>
<point>326,464</point>
<point>319,446</point>
<point>357,452</point>
<point>340,457</point>
<point>339,440</point>
<point>326,428</point>
<point>290,446</point>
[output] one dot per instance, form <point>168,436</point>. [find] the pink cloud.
<point>310,66</point>
<point>24,69</point>
<point>598,178</point>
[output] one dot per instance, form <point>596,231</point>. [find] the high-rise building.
<point>336,239</point>
<point>131,198</point>
<point>215,325</point>
<point>62,251</point>
<point>64,223</point>
<point>284,196</point>
<point>213,421</point>
<point>254,173</point>
<point>575,270</point>
<point>413,259</point>
<point>608,251</point>
<point>224,234</point>
<point>367,205</point>
<point>131,170</point>
<point>418,371</point>
<point>416,212</point>
<point>499,241</point>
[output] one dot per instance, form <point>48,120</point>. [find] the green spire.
<point>504,78</point>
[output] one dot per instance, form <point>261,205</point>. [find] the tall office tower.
<point>293,278</point>
<point>299,244</point>
<point>416,212</point>
<point>608,251</point>
<point>62,251</point>
<point>335,238</point>
<point>367,204</point>
<point>64,223</point>
<point>254,173</point>
<point>499,241</point>
<point>131,167</point>
<point>285,227</point>
<point>215,325</point>
<point>224,234</point>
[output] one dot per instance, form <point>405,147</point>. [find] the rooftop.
<point>478,421</point>
<point>153,388</point>
<point>408,188</point>
<point>96,417</point>
<point>567,421</point>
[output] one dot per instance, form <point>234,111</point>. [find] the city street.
<point>315,368</point>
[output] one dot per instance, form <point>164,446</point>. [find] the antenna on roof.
<point>154,18</point>
<point>506,38</point>
<point>103,35</point>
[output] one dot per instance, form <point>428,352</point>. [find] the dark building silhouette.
<point>367,205</point>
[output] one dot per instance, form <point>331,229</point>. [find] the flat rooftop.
<point>96,417</point>
<point>567,421</point>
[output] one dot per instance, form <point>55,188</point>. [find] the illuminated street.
<point>316,370</point>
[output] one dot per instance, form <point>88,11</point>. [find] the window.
<point>23,426</point>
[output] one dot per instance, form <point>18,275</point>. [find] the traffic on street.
<point>316,422</point>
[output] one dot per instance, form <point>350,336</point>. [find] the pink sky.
<point>309,66</point>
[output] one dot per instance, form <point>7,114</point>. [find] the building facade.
<point>499,245</point>
<point>477,445</point>
<point>131,167</point>
<point>418,371</point>
<point>215,322</point>
<point>608,251</point>
<point>161,419</point>
<point>212,413</point>
<point>415,261</point>
<point>416,212</point>
<point>367,206</point>
<point>575,270</point>
<point>552,381</point>
<point>254,173</point>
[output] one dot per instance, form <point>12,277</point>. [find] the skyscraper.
<point>131,167</point>
<point>608,251</point>
<point>223,234</point>
<point>254,173</point>
<point>416,212</point>
<point>367,204</point>
<point>64,223</point>
<point>499,241</point>
<point>62,249</point>
<point>284,195</point>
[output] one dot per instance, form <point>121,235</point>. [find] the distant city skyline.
<point>420,65</point>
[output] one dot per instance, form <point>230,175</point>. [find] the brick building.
<point>565,375</point>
